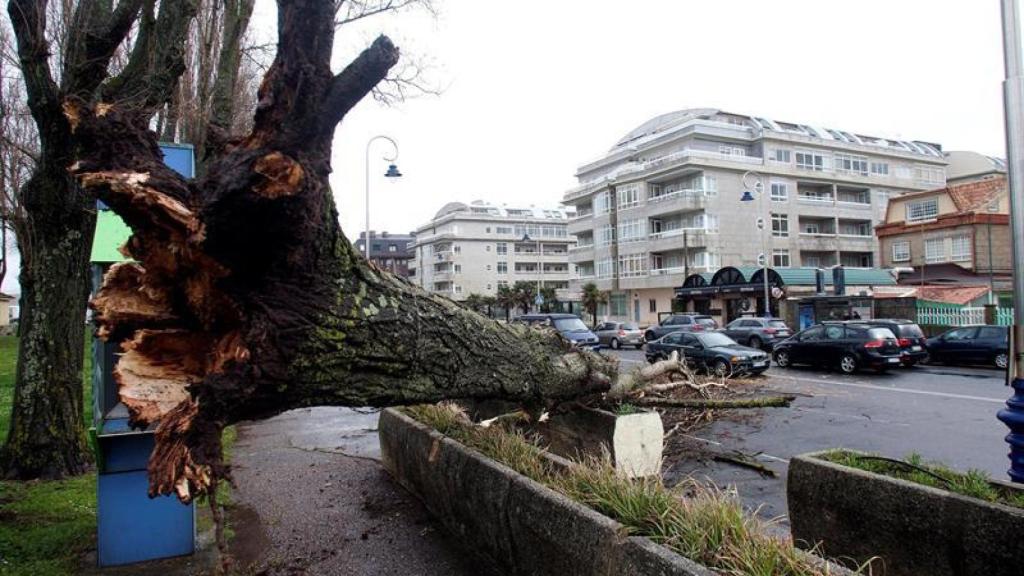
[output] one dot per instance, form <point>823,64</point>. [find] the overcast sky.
<point>533,89</point>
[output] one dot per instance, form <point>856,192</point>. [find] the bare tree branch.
<point>357,80</point>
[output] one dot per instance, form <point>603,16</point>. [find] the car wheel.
<point>755,342</point>
<point>782,359</point>
<point>848,364</point>
<point>615,344</point>
<point>1002,361</point>
<point>722,368</point>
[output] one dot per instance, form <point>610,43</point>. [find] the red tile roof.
<point>976,195</point>
<point>959,295</point>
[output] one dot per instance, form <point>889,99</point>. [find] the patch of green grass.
<point>702,523</point>
<point>973,483</point>
<point>45,527</point>
<point>625,409</point>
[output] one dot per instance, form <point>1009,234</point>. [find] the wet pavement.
<point>312,498</point>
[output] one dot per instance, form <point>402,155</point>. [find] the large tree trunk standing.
<point>247,300</point>
<point>46,435</point>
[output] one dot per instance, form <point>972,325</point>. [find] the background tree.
<point>488,302</point>
<point>506,298</point>
<point>56,216</point>
<point>474,302</point>
<point>550,296</point>
<point>592,298</point>
<point>245,299</point>
<point>525,293</point>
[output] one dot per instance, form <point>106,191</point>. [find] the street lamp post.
<point>538,300</point>
<point>758,188</point>
<point>391,173</point>
<point>1013,100</point>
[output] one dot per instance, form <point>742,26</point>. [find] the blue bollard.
<point>1013,417</point>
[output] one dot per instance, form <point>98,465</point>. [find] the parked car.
<point>910,337</point>
<point>760,333</point>
<point>618,334</point>
<point>971,345</point>
<point>681,323</point>
<point>568,325</point>
<point>711,352</point>
<point>848,346</point>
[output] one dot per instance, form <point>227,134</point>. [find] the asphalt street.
<point>943,413</point>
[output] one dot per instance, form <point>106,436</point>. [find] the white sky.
<point>533,89</point>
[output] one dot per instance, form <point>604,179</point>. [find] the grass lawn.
<point>44,526</point>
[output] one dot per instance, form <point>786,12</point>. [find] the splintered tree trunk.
<point>45,438</point>
<point>245,299</point>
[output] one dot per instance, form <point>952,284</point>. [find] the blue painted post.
<point>131,527</point>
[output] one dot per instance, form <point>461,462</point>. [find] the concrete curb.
<point>517,524</point>
<point>916,530</point>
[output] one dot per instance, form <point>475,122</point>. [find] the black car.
<point>681,323</point>
<point>568,325</point>
<point>910,337</point>
<point>846,345</point>
<point>971,345</point>
<point>712,352</point>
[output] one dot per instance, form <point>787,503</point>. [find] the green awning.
<point>111,234</point>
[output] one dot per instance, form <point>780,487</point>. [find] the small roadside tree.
<point>506,298</point>
<point>592,298</point>
<point>474,302</point>
<point>525,292</point>
<point>550,296</point>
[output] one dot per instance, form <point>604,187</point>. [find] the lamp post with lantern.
<point>762,225</point>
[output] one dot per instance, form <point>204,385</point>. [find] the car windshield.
<point>713,339</point>
<point>630,326</point>
<point>705,321</point>
<point>777,324</point>
<point>570,325</point>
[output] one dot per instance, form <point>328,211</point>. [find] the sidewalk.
<point>312,498</point>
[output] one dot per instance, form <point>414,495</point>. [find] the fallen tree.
<point>245,299</point>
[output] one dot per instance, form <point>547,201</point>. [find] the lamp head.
<point>747,196</point>
<point>392,172</point>
<point>526,238</point>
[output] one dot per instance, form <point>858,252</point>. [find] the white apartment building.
<point>477,247</point>
<point>665,201</point>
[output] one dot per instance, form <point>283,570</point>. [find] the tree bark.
<point>46,435</point>
<point>247,299</point>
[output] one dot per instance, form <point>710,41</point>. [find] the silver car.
<point>615,335</point>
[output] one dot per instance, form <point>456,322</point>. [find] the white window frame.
<point>879,168</point>
<point>781,258</point>
<point>919,207</point>
<point>502,267</point>
<point>932,256</point>
<point>501,248</point>
<point>782,156</point>
<point>816,161</point>
<point>960,248</point>
<point>783,229</point>
<point>779,192</point>
<point>901,251</point>
<point>627,196</point>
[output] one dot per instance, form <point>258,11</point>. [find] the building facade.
<point>665,201</point>
<point>965,225</point>
<point>392,252</point>
<point>475,248</point>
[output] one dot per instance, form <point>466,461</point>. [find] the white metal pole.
<point>389,159</point>
<point>1013,100</point>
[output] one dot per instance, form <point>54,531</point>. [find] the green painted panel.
<point>111,234</point>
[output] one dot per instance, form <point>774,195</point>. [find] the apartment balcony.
<point>574,227</point>
<point>677,201</point>
<point>443,276</point>
<point>447,256</point>
<point>819,242</point>
<point>673,239</point>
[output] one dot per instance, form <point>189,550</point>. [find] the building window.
<point>605,235</point>
<point>488,229</point>
<point>780,225</point>
<point>810,161</point>
<point>926,209</point>
<point>458,268</point>
<point>488,287</point>
<point>605,268</point>
<point>502,267</point>
<point>848,164</point>
<point>812,261</point>
<point>880,168</point>
<point>488,267</point>
<point>780,192</point>
<point>901,251</point>
<point>601,203</point>
<point>502,284</point>
<point>935,250</point>
<point>961,248</point>
<point>780,155</point>
<point>652,306</point>
<point>501,248</point>
<point>457,249</point>
<point>628,196</point>
<point>709,184</point>
<point>458,289</point>
<point>811,228</point>
<point>631,230</point>
<point>780,258</point>
<point>392,248</point>
<point>617,305</point>
<point>487,247</point>
<point>632,265</point>
<point>503,229</point>
<point>731,150</point>
<point>929,174</point>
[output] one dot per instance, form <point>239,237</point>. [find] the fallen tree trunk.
<point>246,299</point>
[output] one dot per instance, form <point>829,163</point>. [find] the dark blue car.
<point>568,325</point>
<point>971,345</point>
